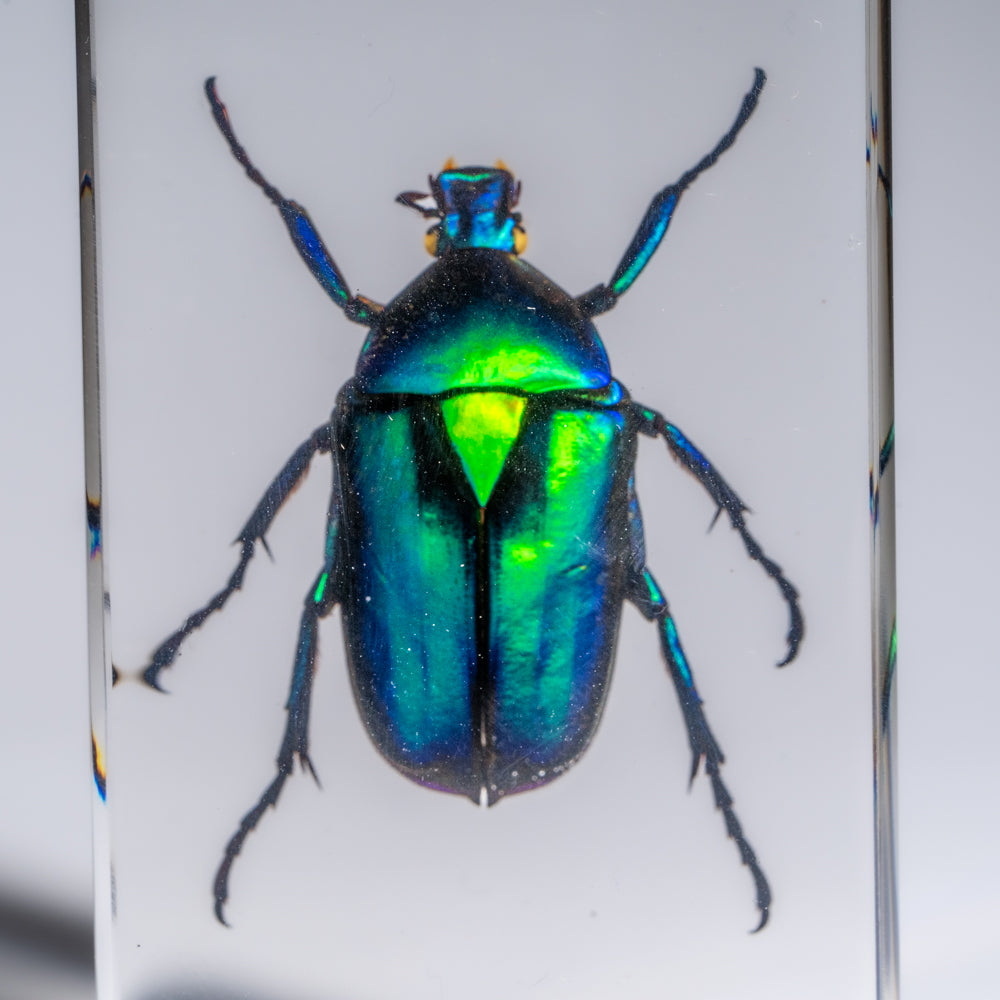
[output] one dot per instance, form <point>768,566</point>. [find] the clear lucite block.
<point>760,327</point>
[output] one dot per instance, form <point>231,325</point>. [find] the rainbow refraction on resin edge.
<point>483,529</point>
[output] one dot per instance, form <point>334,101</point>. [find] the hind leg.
<point>319,602</point>
<point>646,595</point>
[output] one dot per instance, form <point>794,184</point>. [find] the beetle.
<point>483,528</point>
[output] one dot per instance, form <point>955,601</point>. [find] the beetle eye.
<point>520,240</point>
<point>431,241</point>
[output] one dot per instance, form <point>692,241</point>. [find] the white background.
<point>945,205</point>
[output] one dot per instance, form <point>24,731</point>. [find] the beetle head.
<point>474,206</point>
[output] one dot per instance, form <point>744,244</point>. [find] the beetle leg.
<point>654,424</point>
<point>654,225</point>
<point>647,597</point>
<point>255,529</point>
<point>319,602</point>
<point>303,233</point>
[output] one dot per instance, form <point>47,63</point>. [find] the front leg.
<point>654,225</point>
<point>303,233</point>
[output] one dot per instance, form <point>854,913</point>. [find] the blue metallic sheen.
<point>310,246</point>
<point>475,205</point>
<point>685,445</point>
<point>675,648</point>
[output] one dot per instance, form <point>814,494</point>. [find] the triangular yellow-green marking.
<point>483,427</point>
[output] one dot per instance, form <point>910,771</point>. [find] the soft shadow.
<point>49,935</point>
<point>201,991</point>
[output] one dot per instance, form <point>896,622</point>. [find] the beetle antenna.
<point>412,199</point>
